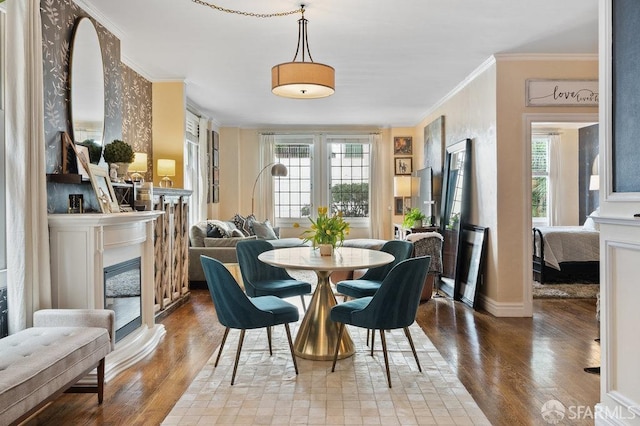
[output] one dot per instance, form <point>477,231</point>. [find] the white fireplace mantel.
<point>82,245</point>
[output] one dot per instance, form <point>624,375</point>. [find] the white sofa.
<point>39,363</point>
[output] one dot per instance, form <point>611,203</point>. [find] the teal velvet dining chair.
<point>370,282</point>
<point>261,279</point>
<point>393,306</point>
<point>235,310</point>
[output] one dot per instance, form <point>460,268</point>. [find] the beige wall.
<point>168,127</point>
<point>490,110</point>
<point>471,113</point>
<point>513,236</point>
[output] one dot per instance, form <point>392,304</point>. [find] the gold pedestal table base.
<point>317,335</point>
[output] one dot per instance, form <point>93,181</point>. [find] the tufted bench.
<point>40,363</point>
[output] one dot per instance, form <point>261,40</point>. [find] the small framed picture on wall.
<point>402,145</point>
<point>403,166</point>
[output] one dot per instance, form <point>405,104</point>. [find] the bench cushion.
<point>37,362</point>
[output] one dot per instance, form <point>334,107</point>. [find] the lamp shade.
<point>303,80</point>
<point>166,167</point>
<point>402,186</point>
<point>279,169</point>
<point>139,162</point>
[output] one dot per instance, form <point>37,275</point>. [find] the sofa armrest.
<point>103,318</point>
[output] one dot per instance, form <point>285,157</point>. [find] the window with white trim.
<point>323,170</point>
<point>3,216</point>
<point>540,180</point>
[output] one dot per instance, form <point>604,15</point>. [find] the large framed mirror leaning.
<point>86,82</point>
<point>454,211</point>
<point>470,273</point>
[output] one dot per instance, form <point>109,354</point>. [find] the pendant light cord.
<point>255,15</point>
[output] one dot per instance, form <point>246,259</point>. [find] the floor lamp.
<point>277,169</point>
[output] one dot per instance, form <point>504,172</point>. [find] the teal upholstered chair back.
<point>233,308</point>
<point>395,304</point>
<point>253,269</point>
<point>399,249</point>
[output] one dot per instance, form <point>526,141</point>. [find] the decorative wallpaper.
<point>136,115</point>
<point>127,96</point>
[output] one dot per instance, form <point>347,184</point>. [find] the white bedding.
<point>569,244</point>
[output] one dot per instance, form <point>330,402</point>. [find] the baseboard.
<point>503,309</point>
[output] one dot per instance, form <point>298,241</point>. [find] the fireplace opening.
<point>122,285</point>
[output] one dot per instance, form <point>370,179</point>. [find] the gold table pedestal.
<point>317,336</point>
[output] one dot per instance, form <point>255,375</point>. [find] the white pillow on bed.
<point>590,224</point>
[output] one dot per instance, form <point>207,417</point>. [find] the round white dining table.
<point>317,335</point>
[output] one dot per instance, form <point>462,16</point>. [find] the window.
<point>192,165</point>
<point>540,180</point>
<point>323,170</point>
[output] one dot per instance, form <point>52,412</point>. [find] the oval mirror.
<point>87,89</point>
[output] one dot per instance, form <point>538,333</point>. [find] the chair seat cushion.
<point>281,288</point>
<point>358,288</point>
<point>283,312</point>
<point>342,312</point>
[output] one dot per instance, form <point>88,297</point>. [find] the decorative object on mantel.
<point>120,153</point>
<point>139,165</point>
<point>103,189</point>
<point>326,231</point>
<point>278,169</point>
<point>166,168</point>
<point>562,93</point>
<point>298,80</point>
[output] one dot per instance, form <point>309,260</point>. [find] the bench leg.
<point>100,380</point>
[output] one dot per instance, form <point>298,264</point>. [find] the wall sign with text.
<point>562,93</point>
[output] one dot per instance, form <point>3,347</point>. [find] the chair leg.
<point>304,307</point>
<point>386,357</point>
<point>335,355</point>
<point>269,338</point>
<point>368,336</point>
<point>413,348</point>
<point>224,339</point>
<point>293,355</point>
<point>373,338</point>
<point>235,366</point>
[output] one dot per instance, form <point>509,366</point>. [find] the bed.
<point>566,254</point>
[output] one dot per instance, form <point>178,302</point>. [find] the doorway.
<point>562,213</point>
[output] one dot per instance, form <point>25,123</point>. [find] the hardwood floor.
<point>511,366</point>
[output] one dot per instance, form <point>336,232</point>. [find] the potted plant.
<point>414,218</point>
<point>119,153</point>
<point>326,231</point>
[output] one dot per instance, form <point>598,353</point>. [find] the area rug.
<point>267,390</point>
<point>565,291</point>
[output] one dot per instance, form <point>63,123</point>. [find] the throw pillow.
<point>263,230</point>
<point>213,231</point>
<point>240,222</point>
<point>247,228</point>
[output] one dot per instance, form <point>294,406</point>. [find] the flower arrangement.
<point>326,229</point>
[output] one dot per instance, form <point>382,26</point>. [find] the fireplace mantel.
<point>82,245</point>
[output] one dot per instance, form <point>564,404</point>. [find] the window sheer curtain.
<point>264,189</point>
<point>554,188</point>
<point>28,272</point>
<point>376,209</point>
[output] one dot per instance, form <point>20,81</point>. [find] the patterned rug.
<point>267,390</point>
<point>565,291</point>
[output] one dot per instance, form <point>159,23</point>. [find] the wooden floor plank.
<point>511,366</point>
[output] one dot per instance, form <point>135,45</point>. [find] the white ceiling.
<point>394,59</point>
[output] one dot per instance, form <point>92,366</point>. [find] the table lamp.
<point>402,188</point>
<point>139,165</point>
<point>166,168</point>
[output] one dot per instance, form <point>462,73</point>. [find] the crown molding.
<point>490,61</point>
<point>101,18</point>
<point>503,57</point>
